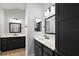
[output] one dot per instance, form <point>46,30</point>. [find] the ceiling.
<point>8,6</point>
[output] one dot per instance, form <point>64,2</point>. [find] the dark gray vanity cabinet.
<point>16,42</point>
<point>0,44</point>
<point>22,42</point>
<point>38,51</point>
<point>37,48</point>
<point>47,51</point>
<point>4,44</point>
<point>11,43</point>
<point>42,50</point>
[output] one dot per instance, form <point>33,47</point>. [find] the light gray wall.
<point>33,11</point>
<point>14,13</point>
<point>1,21</point>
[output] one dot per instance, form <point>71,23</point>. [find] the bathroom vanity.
<point>44,47</point>
<point>10,43</point>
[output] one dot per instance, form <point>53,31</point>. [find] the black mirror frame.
<point>45,25</point>
<point>40,28</point>
<point>10,28</point>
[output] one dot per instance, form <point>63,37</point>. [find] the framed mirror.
<point>50,25</point>
<point>15,27</point>
<point>38,25</point>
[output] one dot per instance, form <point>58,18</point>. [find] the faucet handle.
<point>46,37</point>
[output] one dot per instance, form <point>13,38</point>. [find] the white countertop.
<point>47,42</point>
<point>4,36</point>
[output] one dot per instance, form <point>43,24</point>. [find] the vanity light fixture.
<point>50,10</point>
<point>15,20</point>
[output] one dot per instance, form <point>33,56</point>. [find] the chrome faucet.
<point>15,34</point>
<point>46,37</point>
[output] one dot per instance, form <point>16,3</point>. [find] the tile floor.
<point>16,52</point>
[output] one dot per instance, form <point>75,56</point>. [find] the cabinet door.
<point>22,42</point>
<point>0,44</point>
<point>35,49</point>
<point>4,44</point>
<point>16,42</point>
<point>38,50</point>
<point>48,51</point>
<point>11,42</point>
<point>45,53</point>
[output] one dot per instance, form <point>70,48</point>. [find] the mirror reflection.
<point>14,27</point>
<point>50,25</point>
<point>38,25</point>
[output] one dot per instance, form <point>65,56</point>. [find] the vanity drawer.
<point>49,51</point>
